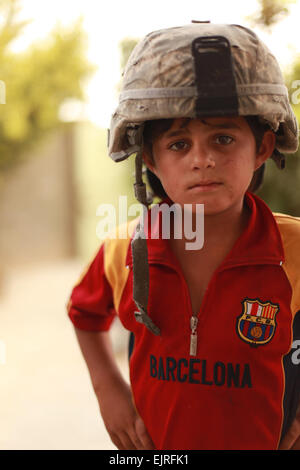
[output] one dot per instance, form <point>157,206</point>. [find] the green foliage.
<point>126,47</point>
<point>281,187</point>
<point>270,12</point>
<point>10,28</point>
<point>37,82</point>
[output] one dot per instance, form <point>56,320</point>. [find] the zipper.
<point>194,320</point>
<point>194,338</point>
<point>194,317</point>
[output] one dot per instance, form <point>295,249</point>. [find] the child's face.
<point>208,161</point>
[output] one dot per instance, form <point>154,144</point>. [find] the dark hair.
<point>155,128</point>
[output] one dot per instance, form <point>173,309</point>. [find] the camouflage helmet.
<point>198,70</point>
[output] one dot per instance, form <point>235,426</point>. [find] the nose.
<point>202,157</point>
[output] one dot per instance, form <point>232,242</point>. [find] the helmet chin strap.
<point>140,252</point>
<point>279,159</point>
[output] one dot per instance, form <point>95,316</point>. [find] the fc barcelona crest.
<point>257,323</point>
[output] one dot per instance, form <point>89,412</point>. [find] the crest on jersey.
<point>257,323</point>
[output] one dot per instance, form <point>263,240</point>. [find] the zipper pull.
<point>193,343</point>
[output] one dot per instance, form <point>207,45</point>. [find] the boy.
<point>215,329</point>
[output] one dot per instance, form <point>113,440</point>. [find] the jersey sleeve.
<point>91,305</point>
<point>289,228</point>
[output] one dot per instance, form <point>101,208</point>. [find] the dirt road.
<point>46,399</point>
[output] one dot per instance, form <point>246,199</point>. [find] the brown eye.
<point>224,139</point>
<point>180,145</point>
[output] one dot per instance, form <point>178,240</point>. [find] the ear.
<point>149,162</point>
<point>266,148</point>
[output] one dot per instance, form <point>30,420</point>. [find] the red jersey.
<point>241,389</point>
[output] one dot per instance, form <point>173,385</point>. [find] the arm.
<point>125,427</point>
<point>291,440</point>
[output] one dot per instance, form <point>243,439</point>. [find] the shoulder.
<point>115,252</point>
<point>289,228</point>
<point>117,243</point>
<point>286,219</point>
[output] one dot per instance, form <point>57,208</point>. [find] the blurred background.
<point>62,63</point>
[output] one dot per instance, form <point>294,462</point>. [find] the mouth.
<point>205,186</point>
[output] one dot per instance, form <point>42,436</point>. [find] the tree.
<point>37,82</point>
<point>126,47</point>
<point>279,189</point>
<point>270,12</point>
